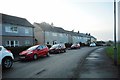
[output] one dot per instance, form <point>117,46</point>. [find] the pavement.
<point>99,65</point>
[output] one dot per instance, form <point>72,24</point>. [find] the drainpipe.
<point>44,36</point>
<point>33,36</point>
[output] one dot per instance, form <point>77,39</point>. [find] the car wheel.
<point>59,51</point>
<point>7,63</point>
<point>64,50</point>
<point>35,56</point>
<point>48,54</point>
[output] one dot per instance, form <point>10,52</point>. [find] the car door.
<point>45,51</point>
<point>40,50</point>
<point>0,54</point>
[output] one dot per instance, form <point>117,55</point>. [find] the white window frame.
<point>8,43</point>
<point>11,29</point>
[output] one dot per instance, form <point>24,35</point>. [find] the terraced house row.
<point>16,31</point>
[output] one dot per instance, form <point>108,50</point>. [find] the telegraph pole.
<point>115,46</point>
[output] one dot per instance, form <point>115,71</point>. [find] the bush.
<point>68,45</point>
<point>17,50</point>
<point>49,46</point>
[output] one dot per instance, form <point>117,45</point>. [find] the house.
<point>16,31</point>
<point>93,39</point>
<point>73,37</point>
<point>49,34</point>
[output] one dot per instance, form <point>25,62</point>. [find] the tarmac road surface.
<point>62,65</point>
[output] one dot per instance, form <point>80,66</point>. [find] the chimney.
<point>86,33</point>
<point>73,30</point>
<point>89,34</point>
<point>52,25</point>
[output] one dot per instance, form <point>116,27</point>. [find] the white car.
<point>92,44</point>
<point>6,58</point>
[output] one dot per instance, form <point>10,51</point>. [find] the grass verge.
<point>110,52</point>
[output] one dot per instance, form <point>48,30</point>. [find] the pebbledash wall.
<point>46,34</point>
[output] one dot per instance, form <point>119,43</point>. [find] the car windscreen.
<point>74,45</point>
<point>54,46</point>
<point>33,48</point>
<point>0,48</point>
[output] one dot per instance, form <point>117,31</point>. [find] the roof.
<point>15,20</point>
<point>93,37</point>
<point>48,27</point>
<point>76,34</point>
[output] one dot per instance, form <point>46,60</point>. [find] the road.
<point>64,65</point>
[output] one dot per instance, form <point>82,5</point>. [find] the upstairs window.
<point>54,34</point>
<point>11,29</point>
<point>26,31</point>
<point>61,35</point>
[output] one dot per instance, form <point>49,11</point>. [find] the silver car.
<point>6,58</point>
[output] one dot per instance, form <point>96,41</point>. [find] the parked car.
<point>92,45</point>
<point>57,48</point>
<point>34,52</point>
<point>6,58</point>
<point>75,46</point>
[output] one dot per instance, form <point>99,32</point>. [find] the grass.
<point>110,52</point>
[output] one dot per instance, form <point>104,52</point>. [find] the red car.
<point>75,46</point>
<point>34,52</point>
<point>57,48</point>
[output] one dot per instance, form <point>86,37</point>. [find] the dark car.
<point>57,48</point>
<point>75,46</point>
<point>34,52</point>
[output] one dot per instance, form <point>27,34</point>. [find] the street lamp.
<point>115,46</point>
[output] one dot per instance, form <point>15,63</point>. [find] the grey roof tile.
<point>15,20</point>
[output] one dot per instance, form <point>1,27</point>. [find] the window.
<point>26,31</point>
<point>8,43</point>
<point>44,47</point>
<point>13,43</point>
<point>40,47</point>
<point>47,33</point>
<point>11,29</point>
<point>54,34</point>
<point>27,42</point>
<point>61,35</point>
<point>16,43</point>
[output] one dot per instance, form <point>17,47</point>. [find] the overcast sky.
<point>87,16</point>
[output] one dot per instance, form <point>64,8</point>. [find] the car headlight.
<point>29,52</point>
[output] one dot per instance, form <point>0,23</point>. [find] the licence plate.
<point>22,57</point>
